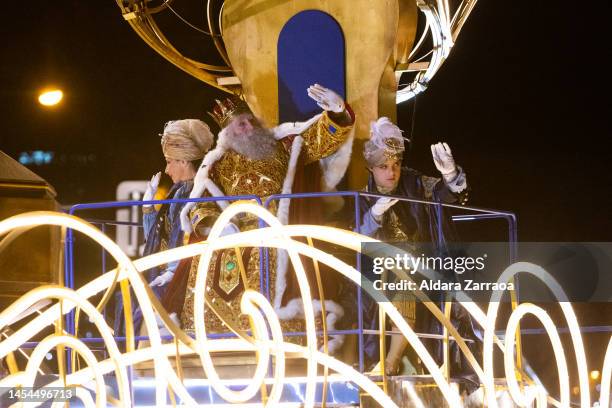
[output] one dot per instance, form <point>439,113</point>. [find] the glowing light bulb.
<point>50,98</point>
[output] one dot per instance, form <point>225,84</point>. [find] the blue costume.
<point>162,231</point>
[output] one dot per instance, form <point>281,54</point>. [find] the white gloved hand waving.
<point>443,159</point>
<point>152,187</point>
<point>326,98</point>
<point>382,205</point>
<point>162,279</point>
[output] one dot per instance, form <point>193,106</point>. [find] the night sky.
<point>522,101</point>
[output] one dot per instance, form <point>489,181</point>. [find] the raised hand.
<point>443,159</point>
<point>152,187</point>
<point>381,206</point>
<point>326,98</point>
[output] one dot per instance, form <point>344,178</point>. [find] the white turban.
<point>386,141</point>
<point>186,139</point>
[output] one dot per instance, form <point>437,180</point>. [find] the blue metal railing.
<point>477,214</point>
<point>69,262</point>
<point>481,214</point>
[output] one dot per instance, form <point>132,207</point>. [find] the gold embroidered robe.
<point>236,174</point>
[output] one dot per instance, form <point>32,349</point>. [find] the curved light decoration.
<point>568,312</point>
<point>145,296</point>
<point>69,297</point>
<point>53,341</point>
<point>258,307</point>
<point>443,31</point>
<point>510,368</point>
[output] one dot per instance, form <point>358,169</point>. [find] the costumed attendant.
<point>184,143</point>
<point>390,220</point>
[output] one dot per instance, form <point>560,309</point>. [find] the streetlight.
<point>51,97</point>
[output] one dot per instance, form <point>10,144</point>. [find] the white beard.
<point>258,145</point>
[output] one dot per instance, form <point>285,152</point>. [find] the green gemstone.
<point>230,265</point>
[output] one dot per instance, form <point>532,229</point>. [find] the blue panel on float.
<point>310,50</point>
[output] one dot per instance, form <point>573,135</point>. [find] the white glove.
<point>185,220</point>
<point>382,205</point>
<point>152,187</point>
<point>229,229</point>
<point>162,279</point>
<point>326,98</point>
<point>196,192</point>
<point>443,159</point>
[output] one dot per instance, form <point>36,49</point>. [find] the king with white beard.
<point>250,159</point>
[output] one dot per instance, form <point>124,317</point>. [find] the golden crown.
<point>225,111</point>
<point>394,149</point>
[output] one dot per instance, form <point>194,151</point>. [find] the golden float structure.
<point>389,56</point>
<point>443,26</point>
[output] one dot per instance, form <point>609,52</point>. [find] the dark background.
<point>522,101</point>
